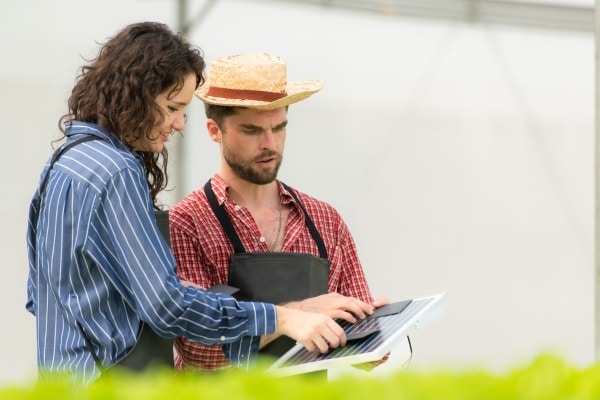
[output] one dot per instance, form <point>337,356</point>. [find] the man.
<point>247,229</point>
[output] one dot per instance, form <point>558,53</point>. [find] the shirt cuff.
<point>262,318</point>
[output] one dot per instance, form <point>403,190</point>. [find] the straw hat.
<point>254,81</point>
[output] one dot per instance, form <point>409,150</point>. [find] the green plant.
<point>546,377</point>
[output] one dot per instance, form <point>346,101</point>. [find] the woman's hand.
<point>312,330</point>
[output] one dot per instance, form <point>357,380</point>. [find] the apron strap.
<point>59,152</point>
<point>309,224</point>
<point>223,219</point>
<point>37,201</point>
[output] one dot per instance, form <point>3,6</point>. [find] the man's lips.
<point>267,158</point>
<point>267,162</point>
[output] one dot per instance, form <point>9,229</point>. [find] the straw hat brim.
<point>296,91</point>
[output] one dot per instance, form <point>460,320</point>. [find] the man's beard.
<point>250,174</point>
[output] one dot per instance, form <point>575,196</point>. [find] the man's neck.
<point>251,195</point>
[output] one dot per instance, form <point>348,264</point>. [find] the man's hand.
<point>333,304</point>
<point>380,301</point>
<point>312,330</point>
<point>369,366</point>
<point>338,307</point>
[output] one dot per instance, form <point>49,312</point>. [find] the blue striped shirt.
<point>96,257</point>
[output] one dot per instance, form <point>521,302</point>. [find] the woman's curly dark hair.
<point>117,89</point>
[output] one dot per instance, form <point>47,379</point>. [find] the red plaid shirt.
<point>202,251</point>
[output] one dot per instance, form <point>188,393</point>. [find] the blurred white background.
<point>460,154</point>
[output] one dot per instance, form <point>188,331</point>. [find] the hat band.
<point>242,94</point>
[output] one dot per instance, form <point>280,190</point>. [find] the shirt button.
<point>262,239</point>
<point>222,338</point>
<point>237,208</point>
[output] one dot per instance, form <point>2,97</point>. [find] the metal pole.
<point>185,24</point>
<point>597,196</point>
<point>177,153</point>
<point>181,13</point>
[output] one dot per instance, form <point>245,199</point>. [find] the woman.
<point>99,268</point>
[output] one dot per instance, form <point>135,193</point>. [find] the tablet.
<point>368,340</point>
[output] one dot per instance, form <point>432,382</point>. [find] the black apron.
<point>273,277</point>
<point>150,348</point>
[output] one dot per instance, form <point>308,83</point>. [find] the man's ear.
<point>213,130</point>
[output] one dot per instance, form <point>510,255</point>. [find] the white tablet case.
<point>373,337</point>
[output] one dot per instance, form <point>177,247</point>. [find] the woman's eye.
<point>172,109</point>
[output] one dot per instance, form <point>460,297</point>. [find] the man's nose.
<point>268,140</point>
